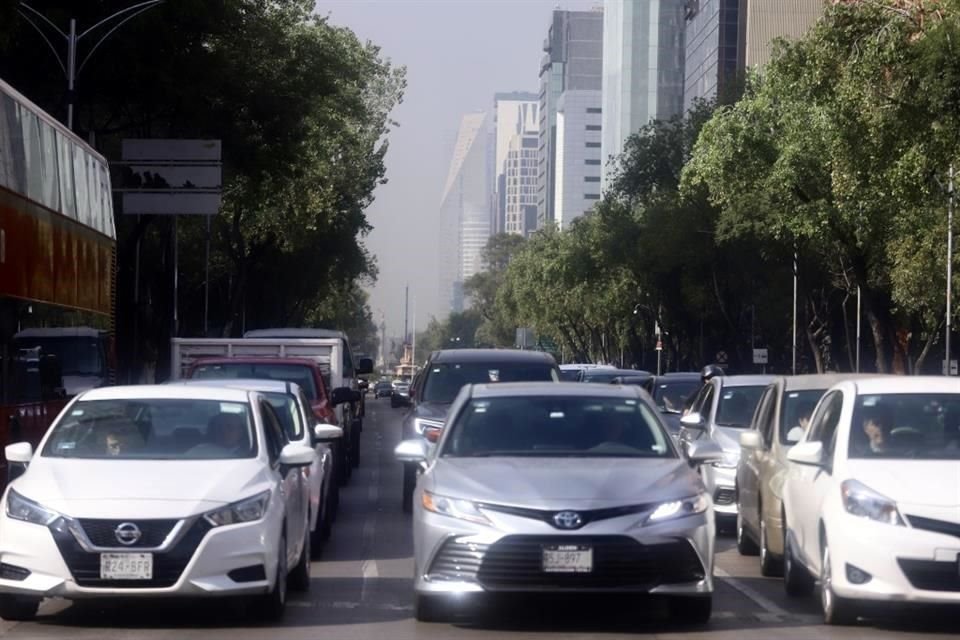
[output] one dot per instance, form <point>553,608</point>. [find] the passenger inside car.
<point>229,431</point>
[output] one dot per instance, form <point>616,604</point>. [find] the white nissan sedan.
<point>156,491</point>
<point>872,497</point>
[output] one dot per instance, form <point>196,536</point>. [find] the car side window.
<point>824,424</point>
<point>762,416</point>
<point>706,402</point>
<point>272,431</point>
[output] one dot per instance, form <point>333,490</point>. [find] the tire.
<point>344,467</point>
<point>18,609</point>
<point>270,606</point>
<point>837,611</point>
<point>770,565</point>
<point>797,581</point>
<point>745,544</point>
<point>409,485</point>
<point>691,610</point>
<point>300,575</point>
<point>430,608</point>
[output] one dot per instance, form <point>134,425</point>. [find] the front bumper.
<point>721,483</point>
<point>457,557</point>
<point>905,564</point>
<point>197,562</point>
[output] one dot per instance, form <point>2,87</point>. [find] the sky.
<point>458,53</point>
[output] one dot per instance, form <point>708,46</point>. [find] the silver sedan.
<point>545,487</point>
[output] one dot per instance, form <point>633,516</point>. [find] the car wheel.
<point>692,610</point>
<point>770,566</point>
<point>409,484</point>
<point>300,576</point>
<point>430,608</point>
<point>270,606</point>
<point>18,609</point>
<point>343,463</point>
<point>797,581</point>
<point>836,610</point>
<point>745,544</point>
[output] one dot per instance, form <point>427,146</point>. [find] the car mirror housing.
<point>323,432</point>
<point>693,421</point>
<point>342,395</point>
<point>750,440</point>
<point>20,452</point>
<point>411,451</point>
<point>295,454</point>
<point>703,451</point>
<point>365,366</point>
<point>808,453</point>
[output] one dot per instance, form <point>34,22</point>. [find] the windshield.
<point>736,406</point>
<point>300,374</point>
<point>906,426</point>
<point>798,406</point>
<point>552,426</point>
<point>569,375</point>
<point>672,395</point>
<point>445,380</point>
<point>153,429</point>
<point>288,413</point>
<point>76,356</point>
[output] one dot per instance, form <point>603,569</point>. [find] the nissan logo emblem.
<point>127,533</point>
<point>567,520</point>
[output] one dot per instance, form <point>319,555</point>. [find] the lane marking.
<point>368,568</point>
<point>762,601</point>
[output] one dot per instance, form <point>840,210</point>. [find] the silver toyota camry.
<point>546,487</point>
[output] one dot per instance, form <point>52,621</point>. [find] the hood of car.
<point>156,488</point>
<point>564,483</point>
<point>933,483</point>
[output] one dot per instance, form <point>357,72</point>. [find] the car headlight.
<point>248,510</point>
<point>461,509</point>
<point>730,460</point>
<point>422,424</point>
<point>19,508</point>
<point>679,508</point>
<point>862,501</point>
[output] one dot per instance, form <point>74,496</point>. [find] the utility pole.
<point>949,369</point>
<point>794,365</point>
<point>70,67</point>
<point>859,322</point>
<point>406,315</point>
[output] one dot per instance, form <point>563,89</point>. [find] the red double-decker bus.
<point>57,267</point>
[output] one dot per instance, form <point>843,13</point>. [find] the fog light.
<point>13,572</point>
<point>857,575</point>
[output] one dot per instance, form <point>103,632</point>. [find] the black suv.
<point>440,380</point>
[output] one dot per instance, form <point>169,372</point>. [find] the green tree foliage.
<point>302,108</point>
<point>496,328</point>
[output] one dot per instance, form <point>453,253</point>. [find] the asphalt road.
<point>361,589</point>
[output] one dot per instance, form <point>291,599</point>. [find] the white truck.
<point>331,354</point>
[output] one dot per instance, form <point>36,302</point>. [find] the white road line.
<point>764,603</point>
<point>369,566</point>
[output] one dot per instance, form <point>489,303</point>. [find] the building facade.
<point>715,49</point>
<point>578,155</point>
<point>464,211</point>
<point>572,61</point>
<point>643,69</point>
<point>520,184</point>
<point>767,20</point>
<point>515,121</point>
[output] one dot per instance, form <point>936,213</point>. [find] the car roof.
<point>744,380</point>
<point>680,375</point>
<point>620,372</point>
<point>166,391</point>
<point>263,385</point>
<point>813,381</point>
<point>907,384</point>
<point>295,333</point>
<point>255,360</point>
<point>561,389</point>
<point>490,355</point>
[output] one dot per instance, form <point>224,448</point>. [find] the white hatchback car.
<point>150,491</point>
<point>872,497</point>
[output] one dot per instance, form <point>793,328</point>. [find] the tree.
<point>496,330</point>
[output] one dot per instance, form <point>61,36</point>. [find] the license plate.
<point>126,566</point>
<point>567,558</point>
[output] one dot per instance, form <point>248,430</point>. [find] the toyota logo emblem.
<point>127,533</point>
<point>567,520</point>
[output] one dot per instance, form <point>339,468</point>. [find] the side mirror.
<point>323,432</point>
<point>795,435</point>
<point>21,452</point>
<point>342,395</point>
<point>808,453</point>
<point>703,451</point>
<point>297,455</point>
<point>414,451</point>
<point>751,440</point>
<point>693,421</point>
<point>365,365</point>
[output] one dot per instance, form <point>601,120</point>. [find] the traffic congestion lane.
<point>361,589</point>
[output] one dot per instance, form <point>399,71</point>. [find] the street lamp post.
<point>70,67</point>
<point>949,369</point>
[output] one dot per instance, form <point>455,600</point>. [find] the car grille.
<point>586,516</point>
<point>457,560</point>
<point>153,532</point>
<point>931,575</point>
<point>724,496</point>
<point>937,526</point>
<point>619,562</point>
<point>167,565</point>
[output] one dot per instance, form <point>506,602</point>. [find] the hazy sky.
<point>458,53</point>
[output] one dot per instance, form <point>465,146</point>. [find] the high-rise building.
<point>464,211</point>
<point>715,43</point>
<point>572,62</point>
<point>578,155</point>
<point>767,20</point>
<point>520,182</point>
<point>643,60</point>
<point>515,115</point>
